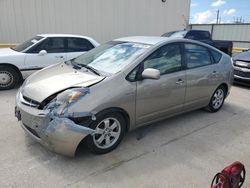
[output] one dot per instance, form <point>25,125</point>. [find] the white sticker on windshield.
<point>141,46</point>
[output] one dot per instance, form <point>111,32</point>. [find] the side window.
<point>133,74</point>
<point>197,56</point>
<point>79,45</point>
<point>216,55</point>
<point>166,59</point>
<point>51,45</point>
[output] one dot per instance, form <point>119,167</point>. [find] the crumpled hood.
<point>8,52</point>
<point>56,78</point>
<point>244,56</point>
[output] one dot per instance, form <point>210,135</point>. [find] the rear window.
<point>216,56</point>
<point>198,35</point>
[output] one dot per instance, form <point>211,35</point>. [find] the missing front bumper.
<point>58,134</point>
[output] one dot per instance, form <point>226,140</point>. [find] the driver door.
<point>50,51</point>
<point>157,99</point>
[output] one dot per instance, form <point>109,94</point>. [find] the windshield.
<point>168,34</point>
<point>111,57</point>
<point>21,47</point>
<point>179,34</point>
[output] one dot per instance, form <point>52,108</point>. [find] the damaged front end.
<point>53,126</point>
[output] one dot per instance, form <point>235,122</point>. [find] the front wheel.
<point>217,100</point>
<point>9,77</point>
<point>109,131</point>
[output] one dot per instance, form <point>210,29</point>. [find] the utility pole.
<point>218,16</point>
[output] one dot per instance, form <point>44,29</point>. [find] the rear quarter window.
<point>216,56</point>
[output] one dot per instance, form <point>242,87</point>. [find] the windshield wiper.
<point>79,66</point>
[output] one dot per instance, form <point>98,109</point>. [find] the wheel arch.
<point>225,85</point>
<point>105,111</point>
<point>14,67</point>
<point>118,110</point>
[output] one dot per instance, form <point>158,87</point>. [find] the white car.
<point>38,52</point>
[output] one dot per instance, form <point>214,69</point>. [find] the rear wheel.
<point>217,100</point>
<point>9,77</point>
<point>109,131</point>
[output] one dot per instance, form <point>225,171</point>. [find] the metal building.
<point>238,33</point>
<point>101,19</point>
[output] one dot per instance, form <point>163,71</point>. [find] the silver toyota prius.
<point>119,86</point>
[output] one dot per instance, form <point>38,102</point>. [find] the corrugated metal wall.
<point>238,33</point>
<point>100,19</point>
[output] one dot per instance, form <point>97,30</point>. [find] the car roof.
<point>142,39</point>
<point>158,40</point>
<point>70,35</point>
<point>60,35</point>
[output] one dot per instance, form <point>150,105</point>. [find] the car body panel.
<point>36,61</point>
<point>61,77</point>
<point>142,101</point>
<point>9,56</point>
<point>158,98</point>
<point>28,63</point>
<point>244,56</point>
<point>50,131</point>
<point>201,83</point>
<point>241,64</point>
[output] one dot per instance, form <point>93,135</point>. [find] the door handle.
<point>214,73</point>
<point>60,56</point>
<point>179,82</point>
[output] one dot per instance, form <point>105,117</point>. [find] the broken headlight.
<point>59,105</point>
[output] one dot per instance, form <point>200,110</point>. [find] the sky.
<point>204,11</point>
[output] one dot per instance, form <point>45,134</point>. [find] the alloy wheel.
<point>107,133</point>
<point>218,98</point>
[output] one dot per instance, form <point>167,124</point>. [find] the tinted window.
<point>166,59</point>
<point>197,56</point>
<point>79,45</point>
<point>198,35</point>
<point>51,45</point>
<point>28,43</point>
<point>216,55</point>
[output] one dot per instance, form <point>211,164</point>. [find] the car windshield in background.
<point>168,34</point>
<point>111,57</point>
<point>179,34</point>
<point>21,47</point>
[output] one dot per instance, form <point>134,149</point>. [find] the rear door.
<point>202,75</point>
<point>55,48</point>
<point>77,46</point>
<point>159,98</point>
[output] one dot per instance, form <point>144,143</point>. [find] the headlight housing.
<point>59,105</point>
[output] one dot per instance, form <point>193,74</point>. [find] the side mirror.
<point>42,53</point>
<point>150,73</point>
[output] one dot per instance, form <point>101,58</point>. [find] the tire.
<point>9,77</point>
<point>217,99</point>
<point>97,143</point>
